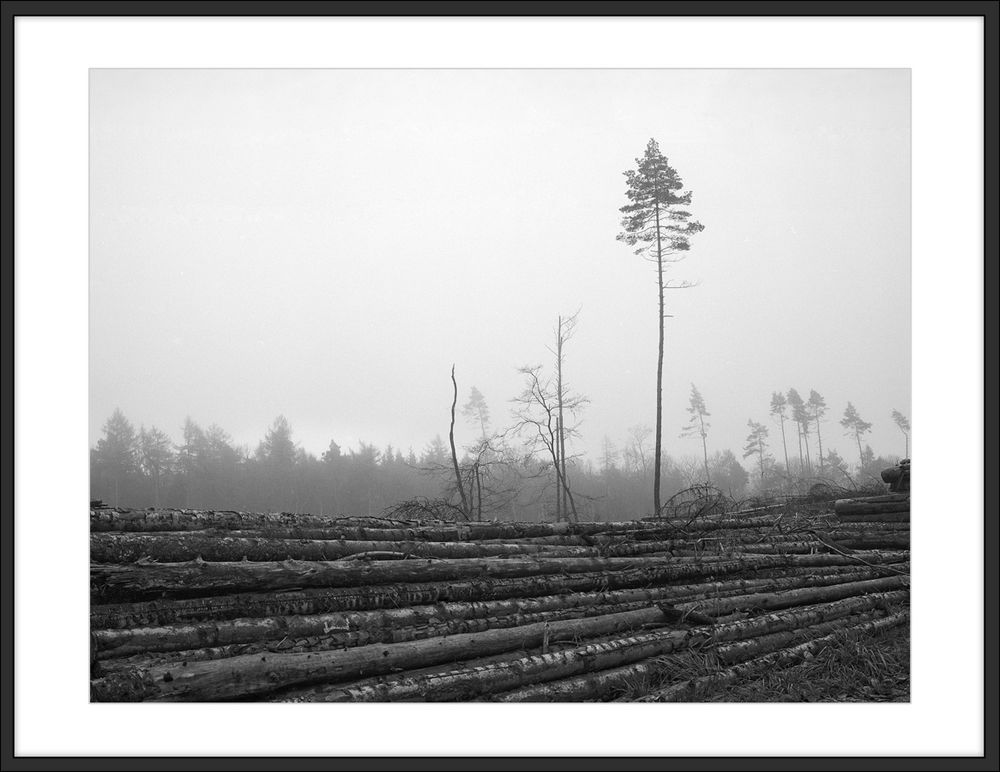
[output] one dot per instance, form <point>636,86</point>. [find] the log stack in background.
<point>210,606</point>
<point>890,508</point>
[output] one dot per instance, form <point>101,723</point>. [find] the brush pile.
<point>222,606</point>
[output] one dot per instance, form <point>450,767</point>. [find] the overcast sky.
<point>325,244</point>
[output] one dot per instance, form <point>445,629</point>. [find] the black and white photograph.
<point>502,385</point>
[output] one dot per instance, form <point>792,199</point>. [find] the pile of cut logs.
<point>890,508</point>
<point>210,606</point>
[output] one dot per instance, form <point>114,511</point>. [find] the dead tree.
<point>564,331</point>
<point>451,440</point>
<point>537,415</point>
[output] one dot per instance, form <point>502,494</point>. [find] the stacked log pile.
<point>890,508</point>
<point>211,606</point>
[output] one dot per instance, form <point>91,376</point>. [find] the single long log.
<point>687,691</point>
<point>251,674</point>
<point>602,684</point>
<point>178,547</point>
<point>805,547</point>
<point>885,498</point>
<point>469,683</point>
<point>881,518</point>
<point>866,508</point>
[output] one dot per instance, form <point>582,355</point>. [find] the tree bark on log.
<point>861,507</point>
<point>794,597</point>
<point>315,601</point>
<point>468,683</point>
<point>144,580</point>
<point>173,547</point>
<point>602,684</point>
<point>177,547</point>
<point>342,640</point>
<point>215,635</point>
<point>881,518</point>
<point>285,525</point>
<point>119,643</point>
<point>347,528</point>
<point>250,675</point>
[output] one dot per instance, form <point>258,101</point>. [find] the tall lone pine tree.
<point>657,224</point>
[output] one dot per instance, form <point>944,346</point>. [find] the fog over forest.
<point>285,265</point>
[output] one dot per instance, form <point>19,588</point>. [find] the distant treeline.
<point>206,470</point>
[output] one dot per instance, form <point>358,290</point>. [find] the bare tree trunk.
<point>558,471</point>
<point>479,494</point>
<point>819,439</point>
<point>704,448</point>
<point>784,445</point>
<point>659,369</point>
<point>451,440</point>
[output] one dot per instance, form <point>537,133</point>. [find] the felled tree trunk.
<point>862,507</point>
<point>176,547</point>
<point>880,518</point>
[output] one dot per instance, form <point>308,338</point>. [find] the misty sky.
<point>325,244</point>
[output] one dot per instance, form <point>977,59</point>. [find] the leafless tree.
<point>451,440</point>
<point>564,331</point>
<point>536,415</point>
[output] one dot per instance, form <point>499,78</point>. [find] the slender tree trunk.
<point>479,494</point>
<point>798,429</point>
<point>558,471</point>
<point>561,436</point>
<point>451,440</point>
<point>784,445</point>
<point>861,454</point>
<point>704,449</point>
<point>819,438</point>
<point>659,369</point>
<point>805,435</point>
